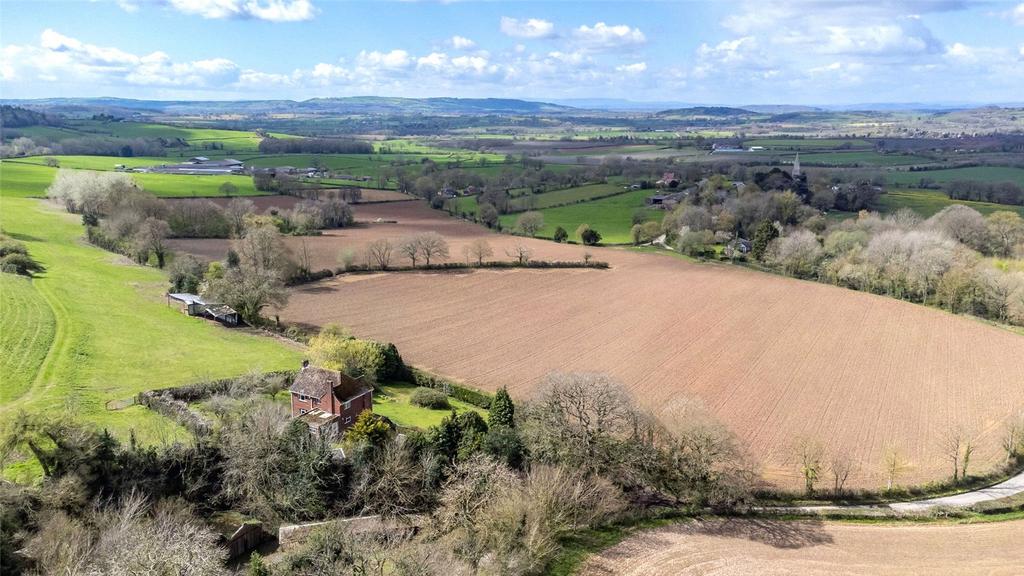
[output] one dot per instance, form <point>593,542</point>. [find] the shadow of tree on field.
<point>775,533</point>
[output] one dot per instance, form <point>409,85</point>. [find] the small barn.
<point>194,305</point>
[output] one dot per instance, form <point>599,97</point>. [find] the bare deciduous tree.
<point>840,465</point>
<point>410,248</point>
<point>530,223</point>
<point>1013,436</point>
<point>480,249</point>
<point>432,245</point>
<point>521,252</point>
<point>378,253</point>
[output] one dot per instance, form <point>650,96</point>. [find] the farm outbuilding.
<point>194,305</point>
<point>238,533</point>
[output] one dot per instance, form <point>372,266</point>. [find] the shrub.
<point>430,398</point>
<point>20,264</point>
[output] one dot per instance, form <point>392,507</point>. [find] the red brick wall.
<point>299,405</point>
<point>356,406</point>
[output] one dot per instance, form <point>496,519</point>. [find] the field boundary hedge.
<point>446,267</point>
<point>453,389</point>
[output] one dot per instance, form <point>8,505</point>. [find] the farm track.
<point>774,359</point>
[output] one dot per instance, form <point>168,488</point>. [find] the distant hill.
<point>348,105</point>
<point>18,117</point>
<point>781,108</point>
<point>706,112</point>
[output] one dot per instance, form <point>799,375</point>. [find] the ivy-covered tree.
<point>765,233</point>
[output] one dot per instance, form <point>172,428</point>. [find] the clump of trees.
<point>939,261</point>
<point>997,192</point>
<point>255,278</point>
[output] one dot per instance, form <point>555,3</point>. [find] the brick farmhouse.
<point>327,400</point>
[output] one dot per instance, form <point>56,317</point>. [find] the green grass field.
<point>862,158</point>
<point>231,139</point>
<point>928,202</point>
<point>568,195</point>
<point>113,334</point>
<point>612,217</point>
<point>393,402</point>
<point>29,178</point>
<point>979,173</point>
<point>28,328</point>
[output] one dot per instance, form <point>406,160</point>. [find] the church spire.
<point>796,165</point>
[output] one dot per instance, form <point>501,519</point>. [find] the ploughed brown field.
<point>774,359</point>
<point>266,203</point>
<point>734,547</point>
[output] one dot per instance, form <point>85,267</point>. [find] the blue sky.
<point>722,52</point>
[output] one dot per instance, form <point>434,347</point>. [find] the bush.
<point>20,264</point>
<point>430,398</point>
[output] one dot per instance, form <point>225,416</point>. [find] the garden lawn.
<point>112,333</point>
<point>612,217</point>
<point>392,400</point>
<point>928,202</point>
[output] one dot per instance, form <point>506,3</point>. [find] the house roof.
<point>188,298</point>
<point>315,382</point>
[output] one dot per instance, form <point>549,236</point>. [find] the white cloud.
<point>393,60</point>
<point>435,60</point>
<point>270,10</point>
<point>601,36</point>
<point>531,28</point>
<point>1018,14</point>
<point>462,43</point>
<point>635,68</point>
<point>62,58</point>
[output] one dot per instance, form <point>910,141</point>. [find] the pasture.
<point>611,216</point>
<point>978,173</point>
<point>232,140</point>
<point>861,158</point>
<point>721,547</point>
<point>928,202</point>
<point>111,334</point>
<point>28,328</point>
<point>32,179</point>
<point>774,359</point>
